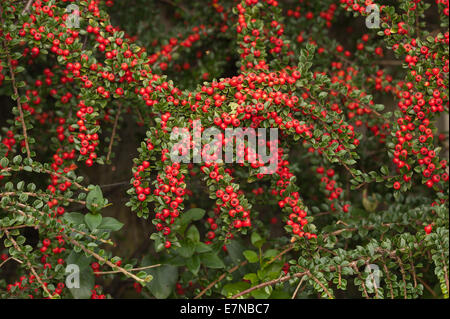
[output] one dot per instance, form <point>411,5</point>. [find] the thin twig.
<point>21,168</point>
<point>386,270</point>
<point>362,281</point>
<point>16,91</point>
<point>288,249</point>
<point>309,274</point>
<point>365,183</point>
<point>15,210</point>
<point>27,7</point>
<point>413,269</point>
<point>29,265</point>
<point>268,283</point>
<point>118,271</point>
<point>390,62</point>
<point>339,275</point>
<point>298,287</point>
<point>212,284</point>
<point>445,271</point>
<point>14,227</point>
<point>60,198</point>
<point>427,287</point>
<point>10,258</point>
<point>402,270</point>
<point>104,260</point>
<point>115,184</point>
<point>116,120</point>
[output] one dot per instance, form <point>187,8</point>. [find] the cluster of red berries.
<point>262,95</point>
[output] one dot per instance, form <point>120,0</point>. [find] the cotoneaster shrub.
<point>357,205</point>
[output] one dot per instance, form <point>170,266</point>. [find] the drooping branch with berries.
<point>357,199</point>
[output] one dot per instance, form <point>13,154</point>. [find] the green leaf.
<point>202,247</point>
<point>262,293</point>
<point>20,185</point>
<point>231,289</point>
<point>4,162</point>
<point>110,223</point>
<point>17,159</point>
<point>252,277</point>
<point>193,234</point>
<point>74,218</point>
<point>93,220</point>
<point>78,259</point>
<point>257,240</point>
<point>164,279</point>
<point>94,200</point>
<point>251,256</point>
<point>270,254</point>
<point>235,249</point>
<point>86,275</point>
<point>193,264</point>
<point>192,214</point>
<point>280,294</point>
<point>211,260</point>
<point>187,248</point>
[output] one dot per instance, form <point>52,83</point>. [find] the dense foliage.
<point>357,205</point>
